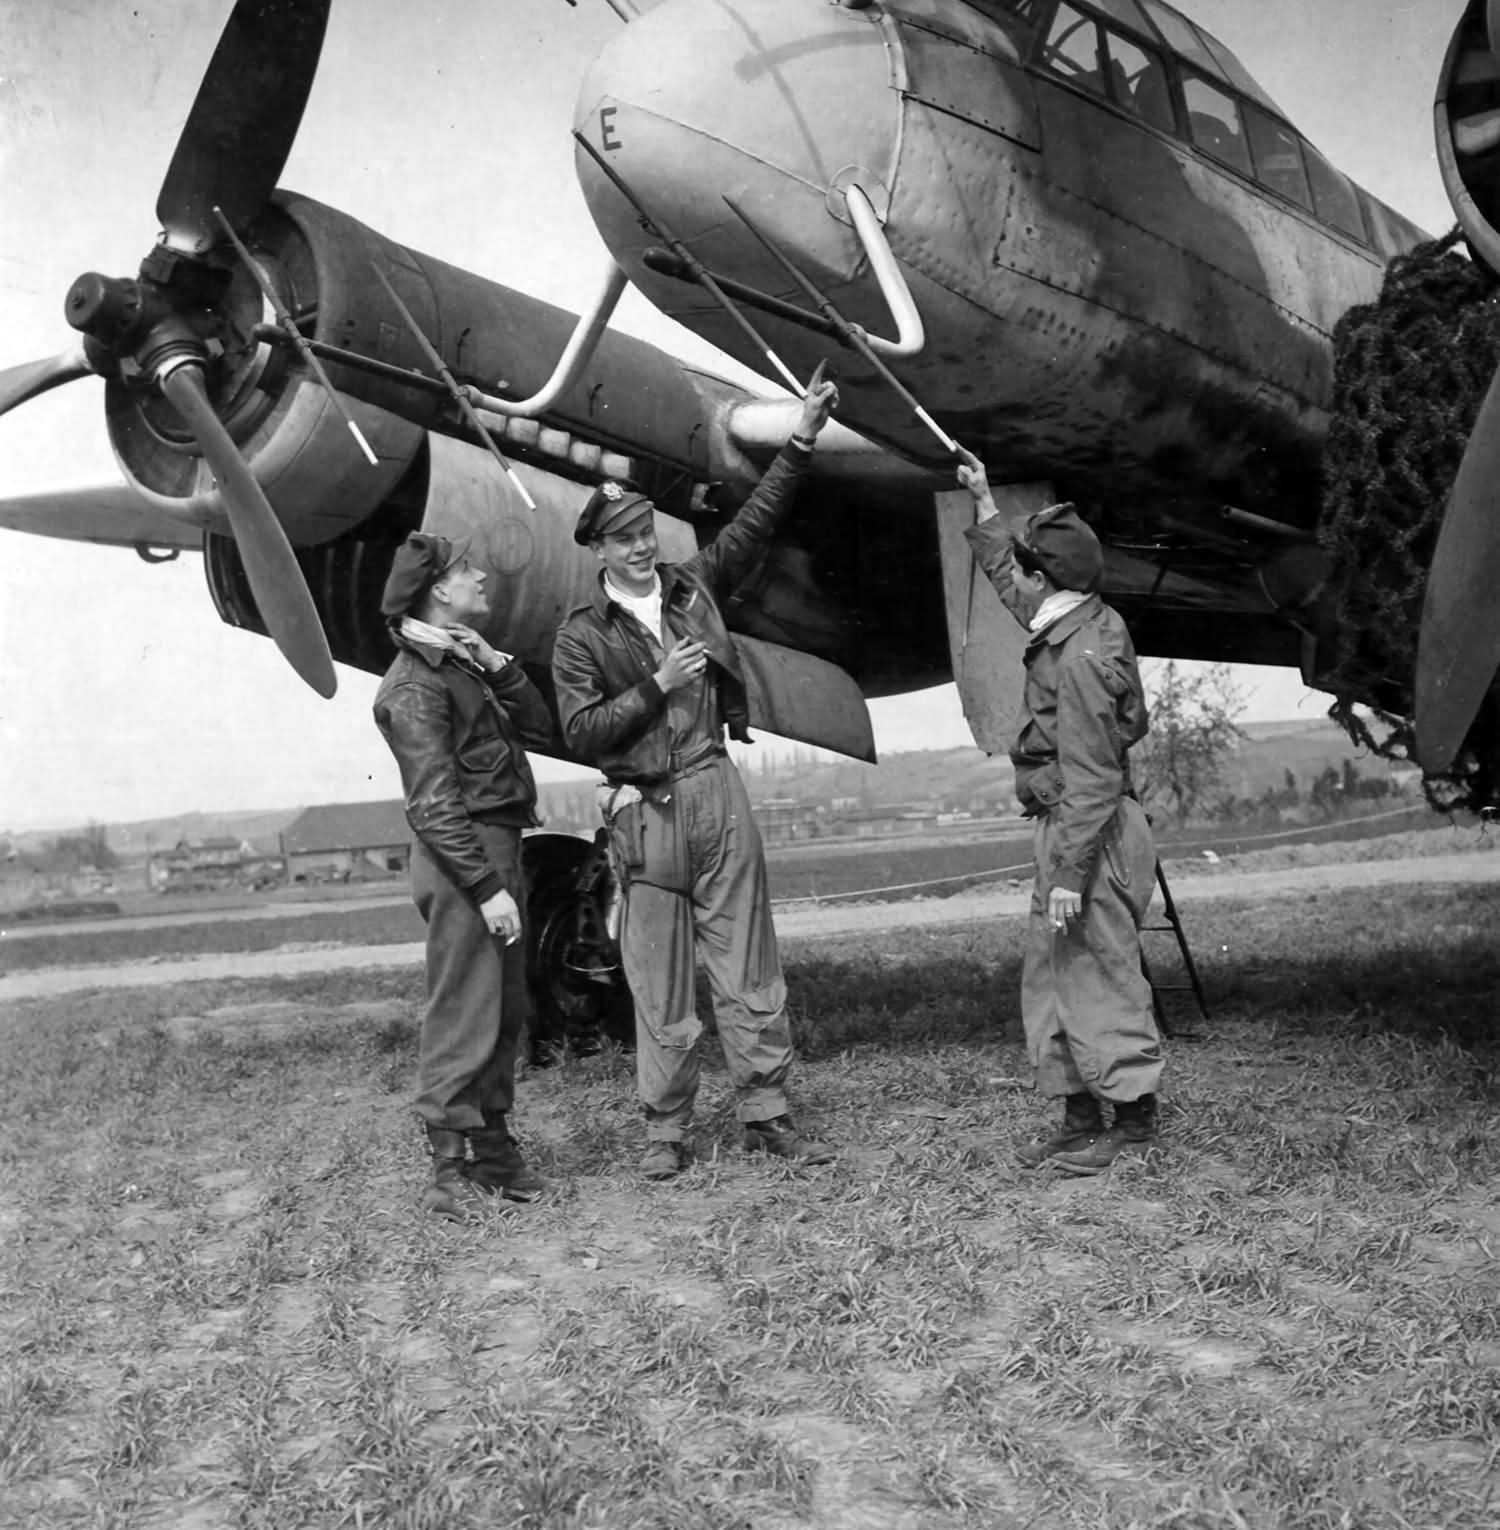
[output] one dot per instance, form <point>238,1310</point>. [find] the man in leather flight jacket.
<point>457,715</point>
<point>647,679</point>
<point>1085,1002</point>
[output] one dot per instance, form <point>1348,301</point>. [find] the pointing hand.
<point>821,400</point>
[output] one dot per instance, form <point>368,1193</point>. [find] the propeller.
<point>244,120</point>
<point>20,384</point>
<point>155,331</point>
<point>276,581</point>
<point>1458,650</point>
<point>1458,646</point>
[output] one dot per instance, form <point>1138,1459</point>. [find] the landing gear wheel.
<point>579,998</point>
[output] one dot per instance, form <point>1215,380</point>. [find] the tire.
<point>579,998</point>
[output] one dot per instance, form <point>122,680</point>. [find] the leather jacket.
<point>459,735</point>
<point>613,713</point>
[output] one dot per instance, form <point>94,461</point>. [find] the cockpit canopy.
<point>1156,24</point>
<point>1148,60</point>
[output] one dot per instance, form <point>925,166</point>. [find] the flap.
<point>805,698</point>
<point>987,643</point>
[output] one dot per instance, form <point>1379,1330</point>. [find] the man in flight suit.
<point>1085,1003</point>
<point>457,715</point>
<point>647,679</point>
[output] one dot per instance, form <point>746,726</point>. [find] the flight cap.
<point>611,506</point>
<point>420,561</point>
<point>1061,542</point>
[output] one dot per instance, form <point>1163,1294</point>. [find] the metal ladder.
<point>1193,985</point>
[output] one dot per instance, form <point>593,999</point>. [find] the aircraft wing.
<point>113,515</point>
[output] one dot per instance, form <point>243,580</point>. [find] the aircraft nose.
<point>778,104</point>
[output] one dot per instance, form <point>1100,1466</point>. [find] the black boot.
<point>1133,1133</point>
<point>450,1194</point>
<point>1081,1121</point>
<point>781,1138</point>
<point>498,1165</point>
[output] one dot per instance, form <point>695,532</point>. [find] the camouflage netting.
<point>1411,370</point>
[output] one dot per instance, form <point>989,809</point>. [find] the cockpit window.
<point>1127,11</point>
<point>1334,197</point>
<point>1236,72</point>
<point>1277,152</point>
<point>1072,49</point>
<point>1214,122</point>
<point>1138,79</point>
<point>1182,37</point>
<point>1027,11</point>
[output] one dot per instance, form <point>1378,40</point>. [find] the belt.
<point>691,761</point>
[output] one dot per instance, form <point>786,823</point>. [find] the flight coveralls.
<point>682,837</point>
<point>459,736</point>
<point>1085,1002</point>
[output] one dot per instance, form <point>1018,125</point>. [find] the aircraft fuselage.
<point>1110,304</point>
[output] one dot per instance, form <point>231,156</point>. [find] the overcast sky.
<point>446,127</point>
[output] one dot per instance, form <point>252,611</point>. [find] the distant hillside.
<point>955,780</point>
<point>967,780</point>
<point>132,839</point>
<point>1306,747</point>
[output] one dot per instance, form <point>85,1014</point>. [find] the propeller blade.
<point>276,581</point>
<point>1459,647</point>
<point>244,120</point>
<point>18,384</point>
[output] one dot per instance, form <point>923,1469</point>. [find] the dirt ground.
<point>221,1305</point>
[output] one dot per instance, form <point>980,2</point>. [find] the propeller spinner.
<point>155,331</point>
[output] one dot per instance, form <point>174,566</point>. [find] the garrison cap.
<point>611,505</point>
<point>1061,543</point>
<point>421,560</point>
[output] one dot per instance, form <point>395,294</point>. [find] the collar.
<point>431,654</point>
<point>666,576</point>
<point>1067,624</point>
<point>621,597</point>
<point>1055,607</point>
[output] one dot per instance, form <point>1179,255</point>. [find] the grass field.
<point>221,1306</point>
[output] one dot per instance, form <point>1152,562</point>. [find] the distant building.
<point>874,822</point>
<point>195,863</point>
<point>345,841</point>
<point>783,820</point>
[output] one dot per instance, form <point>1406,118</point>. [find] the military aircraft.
<point>1075,235</point>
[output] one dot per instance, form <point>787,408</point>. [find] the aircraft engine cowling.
<point>537,573</point>
<point>326,267</point>
<point>283,421</point>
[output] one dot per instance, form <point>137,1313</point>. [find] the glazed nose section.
<point>777,104</point>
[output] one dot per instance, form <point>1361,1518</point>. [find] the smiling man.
<point>647,681</point>
<point>457,715</point>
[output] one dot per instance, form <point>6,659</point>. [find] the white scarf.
<point>426,634</point>
<point>646,609</point>
<point>1057,604</point>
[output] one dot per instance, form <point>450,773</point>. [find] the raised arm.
<point>991,538</point>
<point>510,685</point>
<point>729,558</point>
